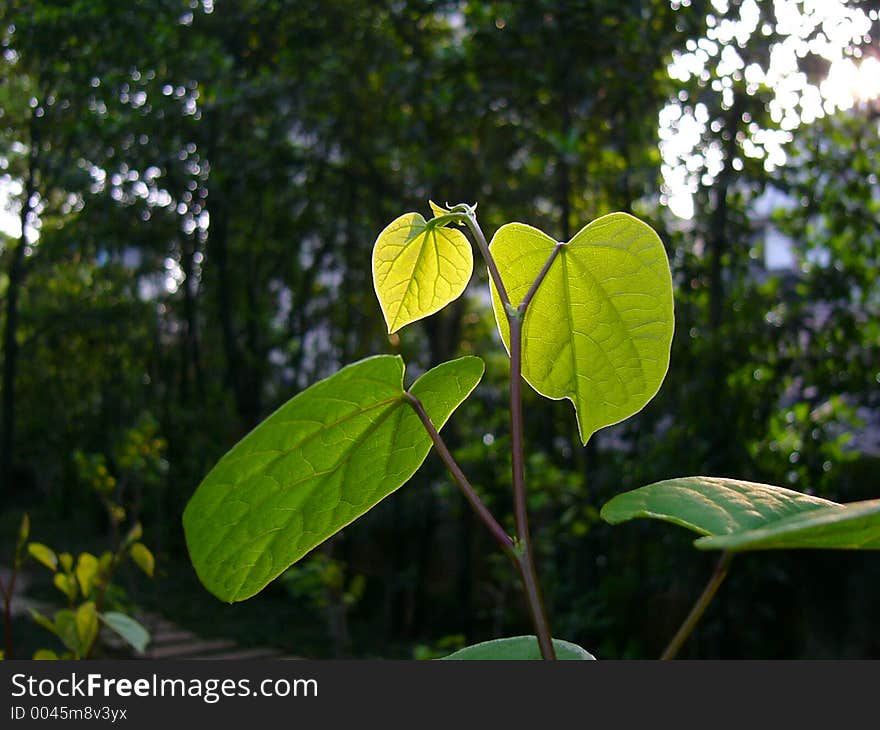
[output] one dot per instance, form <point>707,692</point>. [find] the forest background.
<point>191,192</point>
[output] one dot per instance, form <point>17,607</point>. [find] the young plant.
<point>87,586</point>
<point>590,320</point>
<point>86,582</point>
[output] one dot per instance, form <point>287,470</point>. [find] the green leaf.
<point>66,629</point>
<point>129,629</point>
<point>737,515</point>
<point>599,329</point>
<point>141,555</point>
<point>24,531</point>
<point>87,627</point>
<point>66,584</point>
<point>45,655</point>
<point>66,561</point>
<point>437,210</point>
<point>419,268</point>
<point>519,648</point>
<point>710,505</point>
<point>320,461</point>
<point>853,526</point>
<point>134,534</point>
<point>87,572</point>
<point>43,554</point>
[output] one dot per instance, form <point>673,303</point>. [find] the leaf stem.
<point>470,219</point>
<point>699,607</point>
<point>520,508</point>
<point>498,532</point>
<point>527,299</point>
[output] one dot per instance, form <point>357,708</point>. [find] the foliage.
<point>203,185</point>
<point>294,474</point>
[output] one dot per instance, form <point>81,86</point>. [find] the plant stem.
<point>515,316</point>
<point>477,232</point>
<point>699,608</point>
<point>520,508</point>
<point>498,532</point>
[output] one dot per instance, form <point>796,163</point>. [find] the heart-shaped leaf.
<point>736,515</point>
<point>320,461</point>
<point>519,648</point>
<point>419,268</point>
<point>599,329</point>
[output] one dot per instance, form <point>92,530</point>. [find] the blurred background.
<point>190,192</point>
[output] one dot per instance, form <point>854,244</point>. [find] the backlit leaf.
<point>599,329</point>
<point>419,268</point>
<point>437,210</point>
<point>320,461</point>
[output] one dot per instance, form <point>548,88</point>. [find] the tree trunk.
<point>10,332</point>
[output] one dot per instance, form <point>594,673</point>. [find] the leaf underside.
<point>129,629</point>
<point>320,461</point>
<point>524,648</point>
<point>599,329</point>
<point>419,268</point>
<point>736,515</point>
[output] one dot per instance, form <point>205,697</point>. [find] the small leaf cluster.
<point>85,581</point>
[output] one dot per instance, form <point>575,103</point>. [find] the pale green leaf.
<point>737,515</point>
<point>24,531</point>
<point>134,534</point>
<point>599,328</point>
<point>437,210</point>
<point>66,561</point>
<point>66,629</point>
<point>129,629</point>
<point>419,268</point>
<point>87,572</point>
<point>141,555</point>
<point>87,627</point>
<point>519,648</point>
<point>43,554</point>
<point>320,461</point>
<point>66,583</point>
